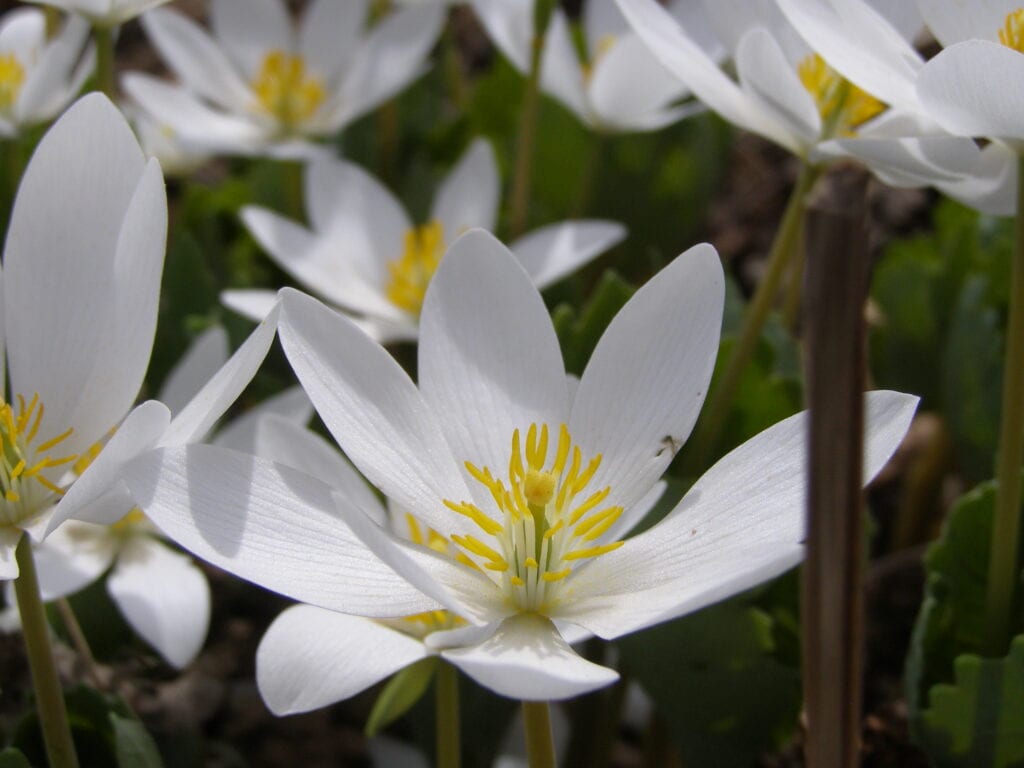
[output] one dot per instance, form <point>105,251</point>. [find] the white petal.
<point>468,197</point>
<point>73,557</point>
<point>196,59</point>
<point>9,538</point>
<point>643,387</point>
<point>196,419</point>
<point>489,360</point>
<point>509,25</point>
<point>527,659</point>
<point>992,188</point>
<point>140,431</point>
<point>391,57</point>
<point>601,20</point>
<point>293,445</point>
<point>164,597</point>
<point>248,30</point>
<point>552,252</point>
<point>254,304</point>
<point>740,524</point>
<point>330,32</point>
<point>953,22</point>
<point>240,434</point>
<point>69,284</point>
<point>310,658</point>
<point>268,524</point>
<point>909,161</point>
<point>51,84</point>
<point>561,73</point>
<point>206,353</point>
<point>971,89</point>
<point>373,410</point>
<point>634,514</point>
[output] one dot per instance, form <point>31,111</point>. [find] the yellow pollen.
<point>543,519</point>
<point>410,273</point>
<point>286,90</point>
<point>12,77</point>
<point>842,105</point>
<point>1012,33</point>
<point>134,517</point>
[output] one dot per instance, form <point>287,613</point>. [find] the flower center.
<point>1012,33</point>
<point>12,77</point>
<point>26,490</point>
<point>842,105</point>
<point>410,273</point>
<point>286,90</point>
<point>548,526</point>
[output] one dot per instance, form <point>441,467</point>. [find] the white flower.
<point>103,13</point>
<point>529,484</point>
<point>262,85</point>
<point>39,77</point>
<point>618,86</point>
<point>161,593</point>
<point>870,50</point>
<point>789,95</point>
<point>363,253</point>
<point>177,158</point>
<point>81,283</point>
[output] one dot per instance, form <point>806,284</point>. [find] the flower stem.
<point>540,746</point>
<point>78,639</point>
<point>53,719</point>
<point>292,188</point>
<point>446,688</point>
<point>528,123</point>
<point>1004,569</point>
<point>52,16</point>
<point>104,36</point>
<point>787,237</point>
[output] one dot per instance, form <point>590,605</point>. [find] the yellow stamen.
<point>286,90</point>
<point>1012,33</point>
<point>580,554</point>
<point>473,513</point>
<point>411,272</point>
<point>842,105</point>
<point>12,77</point>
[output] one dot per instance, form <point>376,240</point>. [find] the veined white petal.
<point>527,659</point>
<point>373,410</point>
<point>310,658</point>
<point>469,195</point>
<point>206,353</point>
<point>556,250</point>
<point>268,524</point>
<point>644,385</point>
<point>254,304</point>
<point>239,434</point>
<point>992,188</point>
<point>329,33</point>
<point>909,161</point>
<point>561,73</point>
<point>489,360</point>
<point>740,524</point>
<point>73,557</point>
<point>163,596</point>
<point>247,30</point>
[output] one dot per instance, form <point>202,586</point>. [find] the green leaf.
<point>716,679</point>
<point>12,758</point>
<point>133,745</point>
<point>400,693</point>
<point>979,719</point>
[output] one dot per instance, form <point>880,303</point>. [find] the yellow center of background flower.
<point>548,525</point>
<point>25,489</point>
<point>410,274</point>
<point>286,90</point>
<point>12,77</point>
<point>1012,33</point>
<point>842,105</point>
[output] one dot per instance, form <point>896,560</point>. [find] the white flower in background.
<point>162,142</point>
<point>362,252</point>
<point>39,77</point>
<point>530,484</point>
<point>103,13</point>
<point>80,289</point>
<point>163,596</point>
<point>868,47</point>
<point>263,85</point>
<point>788,94</point>
<point>618,85</point>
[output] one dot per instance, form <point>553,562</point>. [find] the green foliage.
<point>943,298</point>
<point>12,758</point>
<point>400,693</point>
<point>977,721</point>
<point>721,680</point>
<point>134,746</point>
<point>579,331</point>
<point>944,672</point>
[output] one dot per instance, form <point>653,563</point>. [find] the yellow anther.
<point>12,77</point>
<point>562,452</point>
<point>495,565</point>
<point>43,447</point>
<point>539,487</point>
<point>580,554</point>
<point>516,580</point>
<point>88,457</point>
<point>410,273</point>
<point>597,524</point>
<point>531,563</point>
<point>592,501</point>
<point>473,513</point>
<point>134,517</point>
<point>415,534</point>
<point>477,547</point>
<point>18,469</point>
<point>11,496</point>
<point>1012,33</point>
<point>550,532</point>
<point>286,90</point>
<point>842,105</point>
<point>550,576</point>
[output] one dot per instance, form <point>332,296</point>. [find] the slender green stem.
<point>78,639</point>
<point>104,37</point>
<point>446,688</point>
<point>794,288</point>
<point>520,198</point>
<point>52,16</point>
<point>710,427</point>
<point>1004,566</point>
<point>292,187</point>
<point>454,70</point>
<point>60,749</point>
<point>540,746</point>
